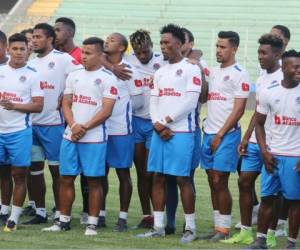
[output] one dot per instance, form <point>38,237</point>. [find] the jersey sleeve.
<point>111,89</point>
<point>71,64</point>
<point>242,86</point>
<point>154,86</point>
<point>69,90</point>
<point>194,79</point>
<point>135,84</point>
<point>36,89</point>
<point>262,105</point>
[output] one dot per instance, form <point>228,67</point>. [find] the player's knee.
<point>183,180</point>
<point>268,200</point>
<point>219,183</point>
<point>245,185</point>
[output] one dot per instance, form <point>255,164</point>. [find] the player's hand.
<point>270,162</point>
<point>78,131</point>
<point>242,148</point>
<point>121,71</point>
<point>158,127</point>
<point>297,168</point>
<point>215,142</point>
<point>166,134</point>
<point>7,104</point>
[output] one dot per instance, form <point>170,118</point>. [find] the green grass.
<point>31,236</point>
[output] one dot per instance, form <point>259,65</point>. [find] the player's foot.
<point>146,222</point>
<point>243,237</point>
<point>10,226</point>
<point>169,230</point>
<point>155,232</point>
<point>37,219</point>
<point>290,245</point>
<point>219,236</point>
<point>3,219</point>
<point>29,211</point>
<point>208,235</point>
<point>258,243</point>
<point>271,240</point>
<point>90,230</point>
<point>84,219</point>
<point>188,236</point>
<point>101,222</point>
<point>121,226</point>
<point>57,227</point>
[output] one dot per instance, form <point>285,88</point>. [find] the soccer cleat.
<point>10,226</point>
<point>84,219</point>
<point>188,236</point>
<point>169,230</point>
<point>101,222</point>
<point>271,240</point>
<point>243,237</point>
<point>37,219</point>
<point>155,232</point>
<point>146,222</point>
<point>208,235</point>
<point>219,236</point>
<point>57,227</point>
<point>29,211</point>
<point>290,245</point>
<point>90,230</point>
<point>121,226</point>
<point>3,219</point>
<point>258,243</point>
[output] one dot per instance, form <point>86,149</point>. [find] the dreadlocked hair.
<point>140,38</point>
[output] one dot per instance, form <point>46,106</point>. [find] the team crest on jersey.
<point>98,81</point>
<point>179,72</point>
<point>22,79</point>
<point>226,78</point>
<point>51,65</point>
<point>156,66</point>
<point>298,100</point>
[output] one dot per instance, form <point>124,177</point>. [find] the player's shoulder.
<point>238,69</point>
<point>107,74</point>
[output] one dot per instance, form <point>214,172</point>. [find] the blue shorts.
<point>226,157</point>
<point>173,157</point>
<point>284,179</point>
<point>253,161</point>
<point>86,158</point>
<point>197,149</point>
<point>15,148</point>
<point>46,143</point>
<point>142,130</point>
<point>120,149</point>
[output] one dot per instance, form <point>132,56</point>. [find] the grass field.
<point>29,237</point>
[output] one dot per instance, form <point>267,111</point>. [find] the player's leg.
<point>29,210</point>
<point>105,187</point>
<point>85,199</point>
<point>6,192</point>
<point>171,204</point>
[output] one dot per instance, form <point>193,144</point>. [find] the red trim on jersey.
<point>76,54</point>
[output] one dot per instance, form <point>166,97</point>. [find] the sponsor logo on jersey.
<point>286,120</point>
<point>216,96</point>
<point>168,92</point>
<point>45,85</point>
<point>9,96</point>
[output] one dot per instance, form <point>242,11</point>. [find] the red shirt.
<point>76,54</point>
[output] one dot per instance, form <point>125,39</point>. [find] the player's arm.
<point>244,143</point>
<point>35,106</point>
<point>120,71</point>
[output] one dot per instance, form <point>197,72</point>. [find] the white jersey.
<point>284,107</point>
<point>88,89</point>
<point>18,86</point>
<point>120,122</point>
<point>171,83</point>
<point>147,72</point>
<point>263,81</point>
<point>54,69</point>
<point>224,85</point>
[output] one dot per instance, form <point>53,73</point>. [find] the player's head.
<point>291,66</point>
<point>43,38</point>
<point>64,30</point>
<point>115,43</point>
<point>171,40</point>
<point>28,33</point>
<point>283,32</point>
<point>227,46</point>
<point>269,50</point>
<point>92,49</point>
<point>189,41</point>
<point>3,44</point>
<point>142,45</point>
<point>17,48</point>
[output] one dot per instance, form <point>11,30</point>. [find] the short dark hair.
<point>189,35</point>
<point>274,41</point>
<point>284,30</point>
<point>3,37</point>
<point>67,21</point>
<point>47,28</point>
<point>175,30</point>
<point>94,41</point>
<point>232,36</point>
<point>29,30</point>
<point>290,53</point>
<point>17,37</point>
<point>124,40</point>
<point>140,38</point>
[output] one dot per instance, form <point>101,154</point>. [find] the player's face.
<point>144,54</point>
<point>277,32</point>
<point>112,44</point>
<point>61,34</point>
<point>187,45</point>
<point>291,69</point>
<point>18,52</point>
<point>224,50</point>
<point>40,41</point>
<point>3,49</point>
<point>29,39</point>
<point>169,45</point>
<point>90,56</point>
<point>266,56</point>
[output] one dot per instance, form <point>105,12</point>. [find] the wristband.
<point>73,125</point>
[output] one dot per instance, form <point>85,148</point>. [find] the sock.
<point>216,214</point>
<point>102,213</point>
<point>270,231</point>
<point>281,222</point>
<point>291,239</point>
<point>64,218</point>
<point>123,215</point>
<point>4,209</point>
<point>159,219</point>
<point>225,221</point>
<point>92,220</point>
<point>41,211</point>
<point>261,235</point>
<point>190,221</point>
<point>15,213</point>
<point>146,215</point>
<point>246,228</point>
<point>32,204</point>
<point>57,214</point>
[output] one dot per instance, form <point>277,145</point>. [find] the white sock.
<point>216,214</point>
<point>41,211</point>
<point>281,222</point>
<point>291,239</point>
<point>102,213</point>
<point>225,220</point>
<point>270,231</point>
<point>246,228</point>
<point>261,235</point>
<point>4,209</point>
<point>190,221</point>
<point>123,215</point>
<point>146,215</point>
<point>64,218</point>
<point>15,213</point>
<point>57,214</point>
<point>32,204</point>
<point>159,219</point>
<point>92,220</point>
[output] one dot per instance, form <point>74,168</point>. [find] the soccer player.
<point>147,63</point>
<point>20,95</point>
<point>282,153</point>
<point>283,32</point>
<point>28,33</point>
<point>269,54</point>
<point>120,144</point>
<point>227,96</point>
<point>48,126</point>
<point>173,102</point>
<point>88,102</point>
